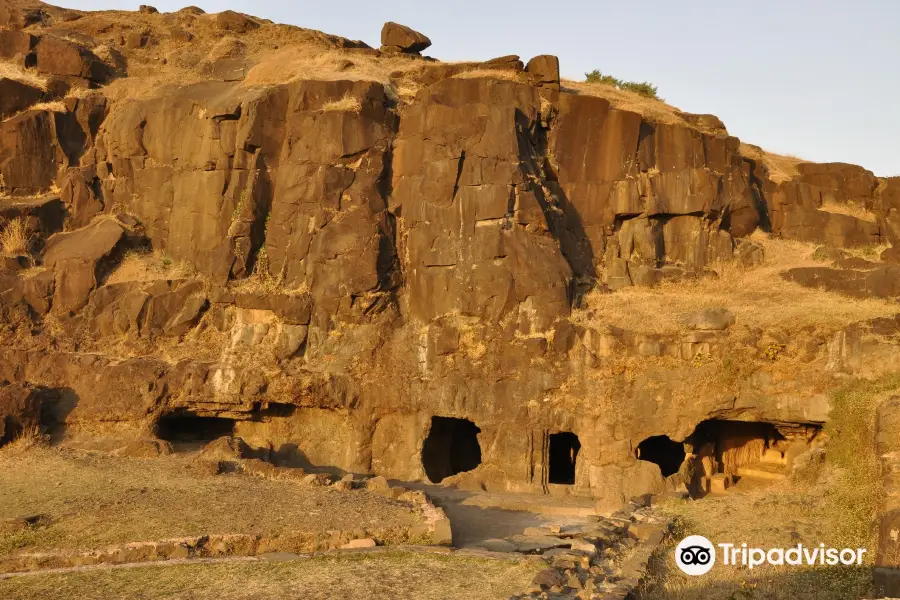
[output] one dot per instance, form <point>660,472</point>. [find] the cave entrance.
<point>187,427</point>
<point>664,452</point>
<point>562,453</point>
<point>724,452</point>
<point>450,448</point>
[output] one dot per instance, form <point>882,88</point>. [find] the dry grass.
<point>782,167</point>
<point>776,517</point>
<point>851,209</point>
<point>305,62</point>
<point>856,494</point>
<point>758,297</point>
<point>54,106</point>
<point>27,440</point>
<point>653,110</point>
<point>15,237</point>
<point>375,576</point>
<point>149,266</point>
<point>347,103</point>
<point>504,74</point>
<point>28,76</point>
<point>93,501</point>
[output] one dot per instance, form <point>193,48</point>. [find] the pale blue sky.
<point>818,79</point>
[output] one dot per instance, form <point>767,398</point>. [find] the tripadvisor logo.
<point>696,555</point>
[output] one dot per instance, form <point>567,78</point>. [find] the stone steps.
<point>763,470</point>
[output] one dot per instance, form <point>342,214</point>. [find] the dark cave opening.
<point>450,448</point>
<point>563,452</point>
<point>727,451</point>
<point>661,450</point>
<point>187,427</point>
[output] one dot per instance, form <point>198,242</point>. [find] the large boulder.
<point>59,56</point>
<point>545,70</point>
<point>75,257</point>
<point>235,22</point>
<point>13,43</point>
<point>708,319</point>
<point>32,150</point>
<point>16,96</point>
<point>401,38</point>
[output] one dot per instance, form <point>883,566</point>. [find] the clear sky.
<point>818,79</point>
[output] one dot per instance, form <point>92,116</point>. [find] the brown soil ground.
<point>92,501</point>
<point>374,576</point>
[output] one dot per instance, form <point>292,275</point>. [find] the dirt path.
<point>475,517</point>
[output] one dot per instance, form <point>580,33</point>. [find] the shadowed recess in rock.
<point>563,452</point>
<point>186,427</point>
<point>661,450</point>
<point>450,448</point>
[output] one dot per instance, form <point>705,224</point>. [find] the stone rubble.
<point>603,560</point>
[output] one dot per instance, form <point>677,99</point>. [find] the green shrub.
<point>643,88</point>
<point>596,76</point>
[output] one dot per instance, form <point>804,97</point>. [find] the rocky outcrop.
<point>468,188</point>
<point>16,96</point>
<point>234,22</point>
<point>888,207</point>
<point>58,56</point>
<point>641,195</point>
<point>880,282</point>
<point>794,208</point>
<point>545,70</point>
<point>400,38</point>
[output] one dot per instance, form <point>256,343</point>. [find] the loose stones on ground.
<point>604,560</point>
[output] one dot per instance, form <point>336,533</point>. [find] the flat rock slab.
<point>538,543</point>
<point>498,545</point>
<point>88,244</point>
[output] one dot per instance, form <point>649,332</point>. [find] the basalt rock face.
<point>638,195</point>
<point>352,266</point>
<point>795,207</point>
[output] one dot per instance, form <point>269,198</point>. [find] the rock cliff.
<point>345,258</point>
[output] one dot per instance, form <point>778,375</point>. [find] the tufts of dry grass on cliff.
<point>15,237</point>
<point>347,103</point>
<point>653,110</point>
<point>309,62</point>
<point>782,167</point>
<point>851,209</point>
<point>144,265</point>
<point>758,297</point>
<point>28,76</point>
<point>53,106</point>
<point>504,74</point>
